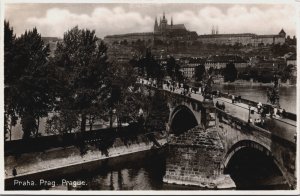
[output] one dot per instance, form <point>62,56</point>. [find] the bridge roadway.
<point>281,127</point>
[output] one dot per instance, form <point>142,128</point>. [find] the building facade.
<point>243,39</point>
<point>188,66</point>
<point>220,61</point>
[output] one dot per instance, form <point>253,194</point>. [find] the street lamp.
<point>249,113</point>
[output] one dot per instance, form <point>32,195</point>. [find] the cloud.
<point>107,21</point>
<point>240,19</point>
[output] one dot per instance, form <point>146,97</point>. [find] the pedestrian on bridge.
<point>14,171</point>
<point>239,98</point>
<point>218,105</point>
<point>259,105</point>
<point>223,106</point>
<point>250,120</point>
<point>233,98</point>
<point>283,113</point>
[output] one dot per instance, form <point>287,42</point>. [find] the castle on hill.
<point>165,32</point>
<point>167,29</point>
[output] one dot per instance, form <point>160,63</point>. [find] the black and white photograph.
<point>149,97</point>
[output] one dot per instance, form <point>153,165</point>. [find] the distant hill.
<point>52,41</point>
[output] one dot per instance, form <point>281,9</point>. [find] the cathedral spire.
<point>155,25</point>
<point>164,16</point>
<point>171,21</point>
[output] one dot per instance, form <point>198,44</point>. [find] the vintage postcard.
<point>149,97</point>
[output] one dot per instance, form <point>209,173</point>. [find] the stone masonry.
<point>195,158</point>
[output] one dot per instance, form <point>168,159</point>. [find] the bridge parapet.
<point>287,115</point>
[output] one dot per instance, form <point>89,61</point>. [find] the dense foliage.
<point>230,73</point>
<point>83,73</point>
<point>28,80</point>
<point>200,72</point>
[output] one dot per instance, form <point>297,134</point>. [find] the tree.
<point>208,81</point>
<point>28,84</point>
<point>210,70</point>
<point>280,50</point>
<point>151,67</point>
<point>157,112</point>
<point>84,73</point>
<point>199,72</point>
<point>10,117</point>
<point>287,73</point>
<point>230,73</point>
<point>62,122</point>
<point>253,73</point>
<point>178,73</point>
<point>9,49</point>
<point>171,64</point>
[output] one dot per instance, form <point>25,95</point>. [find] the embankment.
<point>60,162</point>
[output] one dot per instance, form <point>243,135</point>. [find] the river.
<point>287,100</point>
<point>140,171</point>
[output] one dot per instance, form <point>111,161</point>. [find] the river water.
<point>142,171</point>
<point>139,171</point>
<point>287,100</point>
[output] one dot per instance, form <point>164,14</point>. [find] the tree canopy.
<point>84,72</point>
<point>27,82</point>
<point>230,73</point>
<point>199,72</point>
<point>10,116</point>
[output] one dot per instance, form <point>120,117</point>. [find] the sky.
<point>52,20</point>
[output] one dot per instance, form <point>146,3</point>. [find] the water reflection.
<point>146,172</point>
<point>142,172</point>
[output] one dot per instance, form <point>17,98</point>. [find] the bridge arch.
<point>245,144</point>
<point>182,119</point>
<point>257,159</point>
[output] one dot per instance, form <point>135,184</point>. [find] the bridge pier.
<point>195,158</point>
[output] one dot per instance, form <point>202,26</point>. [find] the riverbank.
<point>249,83</point>
<point>33,167</point>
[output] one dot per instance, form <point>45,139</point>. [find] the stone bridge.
<point>204,142</point>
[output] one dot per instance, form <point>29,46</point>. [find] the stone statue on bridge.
<point>273,94</point>
<point>208,88</point>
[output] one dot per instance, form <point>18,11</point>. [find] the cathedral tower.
<point>163,24</point>
<point>156,29</point>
